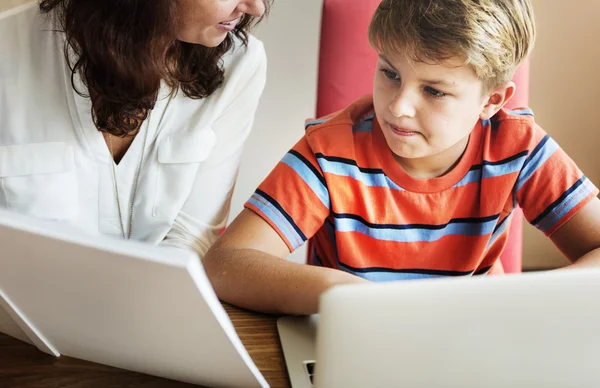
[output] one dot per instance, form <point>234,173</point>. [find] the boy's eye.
<point>434,92</point>
<point>390,75</point>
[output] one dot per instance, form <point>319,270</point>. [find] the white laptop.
<point>119,303</point>
<point>528,330</point>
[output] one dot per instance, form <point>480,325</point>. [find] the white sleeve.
<point>206,210</point>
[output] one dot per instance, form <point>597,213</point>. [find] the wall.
<point>564,89</point>
<point>291,37</point>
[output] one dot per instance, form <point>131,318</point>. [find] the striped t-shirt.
<point>341,187</point>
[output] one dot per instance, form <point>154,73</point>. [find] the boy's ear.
<point>497,98</point>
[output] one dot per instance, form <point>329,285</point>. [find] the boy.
<point>418,180</point>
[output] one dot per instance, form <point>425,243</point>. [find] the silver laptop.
<point>528,330</point>
<point>119,303</point>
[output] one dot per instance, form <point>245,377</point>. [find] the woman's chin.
<point>208,40</point>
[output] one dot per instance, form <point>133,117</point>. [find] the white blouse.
<point>55,165</point>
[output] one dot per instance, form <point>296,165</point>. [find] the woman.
<point>128,118</point>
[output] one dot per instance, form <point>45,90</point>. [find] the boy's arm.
<point>559,200</point>
<point>246,267</point>
<point>579,238</point>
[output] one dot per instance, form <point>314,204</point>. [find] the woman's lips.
<point>228,26</point>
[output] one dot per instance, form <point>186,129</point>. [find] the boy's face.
<point>426,112</point>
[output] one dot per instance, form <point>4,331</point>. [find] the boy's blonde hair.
<point>492,36</point>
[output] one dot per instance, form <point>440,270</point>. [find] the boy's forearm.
<point>589,260</point>
<point>257,281</point>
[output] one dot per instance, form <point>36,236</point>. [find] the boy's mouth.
<point>403,131</point>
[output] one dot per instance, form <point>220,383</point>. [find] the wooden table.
<point>24,366</point>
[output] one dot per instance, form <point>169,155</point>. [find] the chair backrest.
<point>346,67</point>
<point>346,60</point>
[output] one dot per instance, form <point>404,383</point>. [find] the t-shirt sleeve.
<point>294,198</point>
<point>550,188</point>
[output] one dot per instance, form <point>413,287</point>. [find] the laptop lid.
<point>529,330</point>
<point>121,303</point>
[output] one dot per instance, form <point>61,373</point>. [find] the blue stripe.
<point>277,218</point>
<point>415,233</point>
<point>565,206</point>
<point>520,112</point>
<point>278,206</point>
<point>486,122</point>
<point>371,179</point>
<point>496,170</point>
<point>500,229</point>
<point>537,149</point>
<point>472,176</point>
<point>316,260</point>
<point>536,160</point>
<point>392,276</point>
<point>388,275</point>
<point>333,239</point>
<point>309,177</point>
<point>310,123</point>
<point>493,169</point>
<point>559,200</point>
<point>365,125</point>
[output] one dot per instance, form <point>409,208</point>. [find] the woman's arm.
<point>205,212</point>
<point>246,267</point>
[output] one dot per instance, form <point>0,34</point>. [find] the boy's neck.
<point>434,166</point>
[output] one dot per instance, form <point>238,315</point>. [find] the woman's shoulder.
<point>245,69</point>
<point>29,35</point>
<point>246,56</point>
<point>244,81</point>
<point>11,13</point>
<point>16,23</point>
<point>22,23</point>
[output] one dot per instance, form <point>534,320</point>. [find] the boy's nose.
<point>401,105</point>
<point>255,8</point>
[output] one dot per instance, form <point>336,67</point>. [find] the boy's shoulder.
<point>520,120</point>
<point>514,129</point>
<point>523,115</point>
<point>341,126</point>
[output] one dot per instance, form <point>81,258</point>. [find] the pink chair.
<point>346,67</point>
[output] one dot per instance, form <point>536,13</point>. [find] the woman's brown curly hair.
<point>123,49</point>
